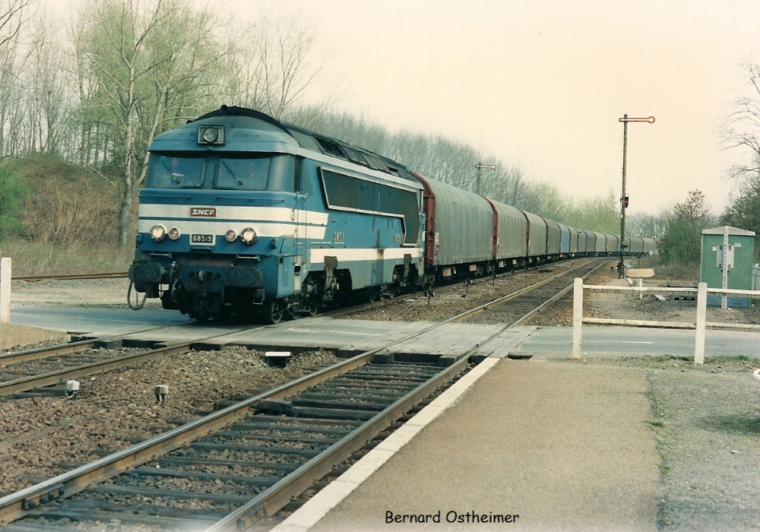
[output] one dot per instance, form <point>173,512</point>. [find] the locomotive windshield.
<point>243,173</point>
<point>179,172</point>
<point>224,171</point>
<point>249,171</point>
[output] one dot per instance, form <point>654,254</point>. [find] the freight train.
<point>242,214</point>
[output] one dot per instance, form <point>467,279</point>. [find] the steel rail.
<point>67,348</point>
<point>45,352</point>
<point>275,498</point>
<point>73,277</point>
<point>517,293</point>
<point>16,505</point>
<point>556,296</point>
<point>93,368</point>
<point>336,313</point>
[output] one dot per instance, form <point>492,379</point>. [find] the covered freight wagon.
<point>512,232</point>
<point>553,237</point>
<point>459,226</point>
<point>536,235</point>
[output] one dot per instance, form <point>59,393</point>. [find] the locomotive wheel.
<point>274,313</point>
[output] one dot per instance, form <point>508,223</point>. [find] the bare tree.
<point>187,79</point>
<point>114,44</point>
<point>143,65</point>
<point>14,14</point>
<point>742,128</point>
<point>273,65</point>
<point>46,93</point>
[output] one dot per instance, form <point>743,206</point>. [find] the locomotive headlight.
<point>230,235</point>
<point>174,233</point>
<point>158,232</point>
<point>211,135</point>
<point>248,236</point>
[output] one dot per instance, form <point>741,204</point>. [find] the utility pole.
<point>623,195</point>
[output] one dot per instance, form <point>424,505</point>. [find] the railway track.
<point>525,303</point>
<point>38,278</point>
<point>521,299</point>
<point>247,460</point>
<point>258,454</point>
<point>34,371</point>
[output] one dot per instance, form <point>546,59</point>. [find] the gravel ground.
<point>101,293</point>
<point>454,299</point>
<point>706,419</point>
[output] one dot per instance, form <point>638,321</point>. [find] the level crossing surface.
<point>353,336</point>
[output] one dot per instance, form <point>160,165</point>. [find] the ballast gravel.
<point>39,433</point>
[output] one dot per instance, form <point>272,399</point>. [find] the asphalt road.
<point>545,342</point>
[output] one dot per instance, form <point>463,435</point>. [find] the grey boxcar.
<point>536,235</point>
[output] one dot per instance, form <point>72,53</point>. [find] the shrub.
<point>12,194</point>
<point>67,204</point>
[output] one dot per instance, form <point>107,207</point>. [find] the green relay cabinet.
<point>738,248</point>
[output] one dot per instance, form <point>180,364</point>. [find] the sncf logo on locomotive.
<point>204,212</point>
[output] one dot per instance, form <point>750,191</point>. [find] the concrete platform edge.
<point>318,506</point>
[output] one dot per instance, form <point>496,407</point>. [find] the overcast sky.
<point>541,84</point>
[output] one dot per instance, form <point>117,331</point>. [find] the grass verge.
<point>30,258</point>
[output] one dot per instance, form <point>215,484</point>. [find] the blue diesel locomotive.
<point>244,215</point>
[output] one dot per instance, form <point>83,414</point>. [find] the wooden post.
<point>577,317</point>
<point>699,341</point>
<point>5,290</point>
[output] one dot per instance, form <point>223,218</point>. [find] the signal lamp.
<point>230,235</point>
<point>174,233</point>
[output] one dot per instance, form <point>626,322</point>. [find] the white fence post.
<point>577,317</point>
<point>5,290</point>
<point>699,341</point>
